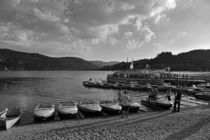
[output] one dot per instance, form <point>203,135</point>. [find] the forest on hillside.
<point>196,60</point>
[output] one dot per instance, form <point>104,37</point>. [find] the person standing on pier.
<point>125,102</point>
<point>177,101</point>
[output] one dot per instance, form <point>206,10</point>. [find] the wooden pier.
<point>181,79</point>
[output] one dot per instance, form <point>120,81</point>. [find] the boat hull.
<point>139,81</point>
<point>156,105</point>
<point>111,109</point>
<point>44,113</point>
<point>134,107</point>
<point>87,111</point>
<point>90,84</point>
<point>203,96</point>
<point>11,119</point>
<point>43,118</point>
<point>106,86</point>
<point>67,112</point>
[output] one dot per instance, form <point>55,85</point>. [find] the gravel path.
<point>189,124</point>
<point>202,134</point>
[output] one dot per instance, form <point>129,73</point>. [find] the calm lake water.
<point>26,89</point>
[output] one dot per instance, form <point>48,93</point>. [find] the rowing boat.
<point>12,117</point>
<point>134,106</point>
<point>67,109</point>
<point>90,107</point>
<point>203,96</point>
<point>42,111</point>
<point>160,105</point>
<point>110,107</point>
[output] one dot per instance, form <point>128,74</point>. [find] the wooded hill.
<point>196,60</point>
<point>15,60</point>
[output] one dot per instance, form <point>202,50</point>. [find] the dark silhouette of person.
<point>153,93</point>
<point>177,101</point>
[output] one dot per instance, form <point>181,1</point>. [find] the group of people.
<point>124,100</point>
<point>153,93</point>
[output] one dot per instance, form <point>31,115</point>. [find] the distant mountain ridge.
<point>195,60</point>
<point>15,60</point>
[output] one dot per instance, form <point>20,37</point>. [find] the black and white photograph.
<point>104,70</point>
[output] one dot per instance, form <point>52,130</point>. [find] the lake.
<point>26,89</point>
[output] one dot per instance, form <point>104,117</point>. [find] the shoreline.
<point>152,125</point>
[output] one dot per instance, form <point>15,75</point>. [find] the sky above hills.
<point>104,29</point>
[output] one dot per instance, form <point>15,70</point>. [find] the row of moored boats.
<point>8,118</point>
<point>73,109</point>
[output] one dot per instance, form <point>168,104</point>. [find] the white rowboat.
<point>68,108</point>
<point>11,118</point>
<point>91,107</point>
<point>44,111</point>
<point>110,106</point>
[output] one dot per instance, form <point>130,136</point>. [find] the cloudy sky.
<point>104,29</point>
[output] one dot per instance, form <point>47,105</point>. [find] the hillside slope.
<point>196,60</point>
<point>15,60</point>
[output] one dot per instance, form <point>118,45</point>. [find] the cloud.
<point>132,44</point>
<point>15,2</point>
<point>145,35</point>
<point>161,19</point>
<point>127,6</point>
<point>45,15</point>
<point>58,49</point>
<point>161,6</point>
<point>13,36</point>
<point>128,34</point>
<point>79,24</point>
<point>34,0</point>
<point>135,31</point>
<point>149,35</point>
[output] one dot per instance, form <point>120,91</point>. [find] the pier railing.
<point>181,79</point>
